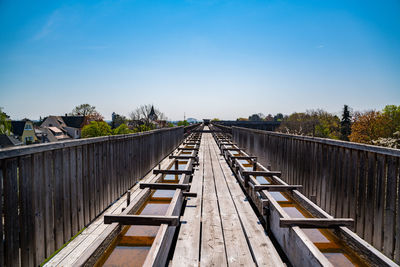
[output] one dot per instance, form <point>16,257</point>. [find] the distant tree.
<point>392,112</point>
<point>143,113</point>
<point>327,125</point>
<point>121,129</point>
<point>297,123</point>
<point>256,117</point>
<point>183,123</point>
<point>392,142</point>
<point>370,126</point>
<point>5,123</point>
<point>87,110</point>
<point>215,119</point>
<point>143,128</point>
<point>117,120</point>
<point>96,128</point>
<point>96,117</point>
<point>317,123</point>
<point>377,128</point>
<point>345,124</point>
<point>84,110</point>
<point>278,117</point>
<point>269,117</point>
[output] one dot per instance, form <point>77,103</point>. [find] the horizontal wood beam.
<point>243,157</point>
<point>262,173</point>
<point>223,143</point>
<point>276,188</point>
<point>316,222</point>
<point>175,172</point>
<point>189,194</point>
<point>182,157</point>
<point>188,148</point>
<point>166,186</point>
<point>206,131</point>
<point>232,149</point>
<point>141,219</point>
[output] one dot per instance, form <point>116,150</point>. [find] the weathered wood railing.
<point>188,129</point>
<point>52,191</point>
<point>345,179</point>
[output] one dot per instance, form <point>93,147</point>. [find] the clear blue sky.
<point>208,59</point>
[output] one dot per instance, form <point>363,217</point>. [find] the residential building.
<point>9,141</point>
<point>71,125</point>
<point>23,131</point>
<point>51,134</point>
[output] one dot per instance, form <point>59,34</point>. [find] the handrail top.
<point>12,152</point>
<point>350,145</point>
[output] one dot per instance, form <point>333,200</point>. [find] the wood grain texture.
<point>56,189</point>
<point>347,180</point>
<point>213,251</point>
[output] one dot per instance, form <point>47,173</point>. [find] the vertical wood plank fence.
<point>345,179</point>
<point>49,192</point>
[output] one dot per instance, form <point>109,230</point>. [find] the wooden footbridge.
<point>200,196</point>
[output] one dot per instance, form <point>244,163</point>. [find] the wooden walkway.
<point>86,242</point>
<point>219,226</point>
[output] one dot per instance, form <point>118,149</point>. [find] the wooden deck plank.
<point>218,223</point>
<point>188,243</point>
<point>212,241</point>
<point>237,250</point>
<point>230,231</point>
<point>261,246</point>
<point>78,245</point>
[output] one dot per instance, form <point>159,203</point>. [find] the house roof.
<point>74,121</point>
<point>55,129</point>
<point>7,141</point>
<point>18,127</point>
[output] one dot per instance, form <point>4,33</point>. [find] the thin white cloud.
<point>320,46</point>
<point>49,26</point>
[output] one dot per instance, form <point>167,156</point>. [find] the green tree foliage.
<point>327,126</point>
<point>122,129</point>
<point>96,128</point>
<point>183,123</point>
<point>318,123</point>
<point>392,113</point>
<point>5,123</point>
<point>215,119</point>
<point>144,128</point>
<point>278,117</point>
<point>117,120</point>
<point>372,127</point>
<point>256,117</point>
<point>345,124</point>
